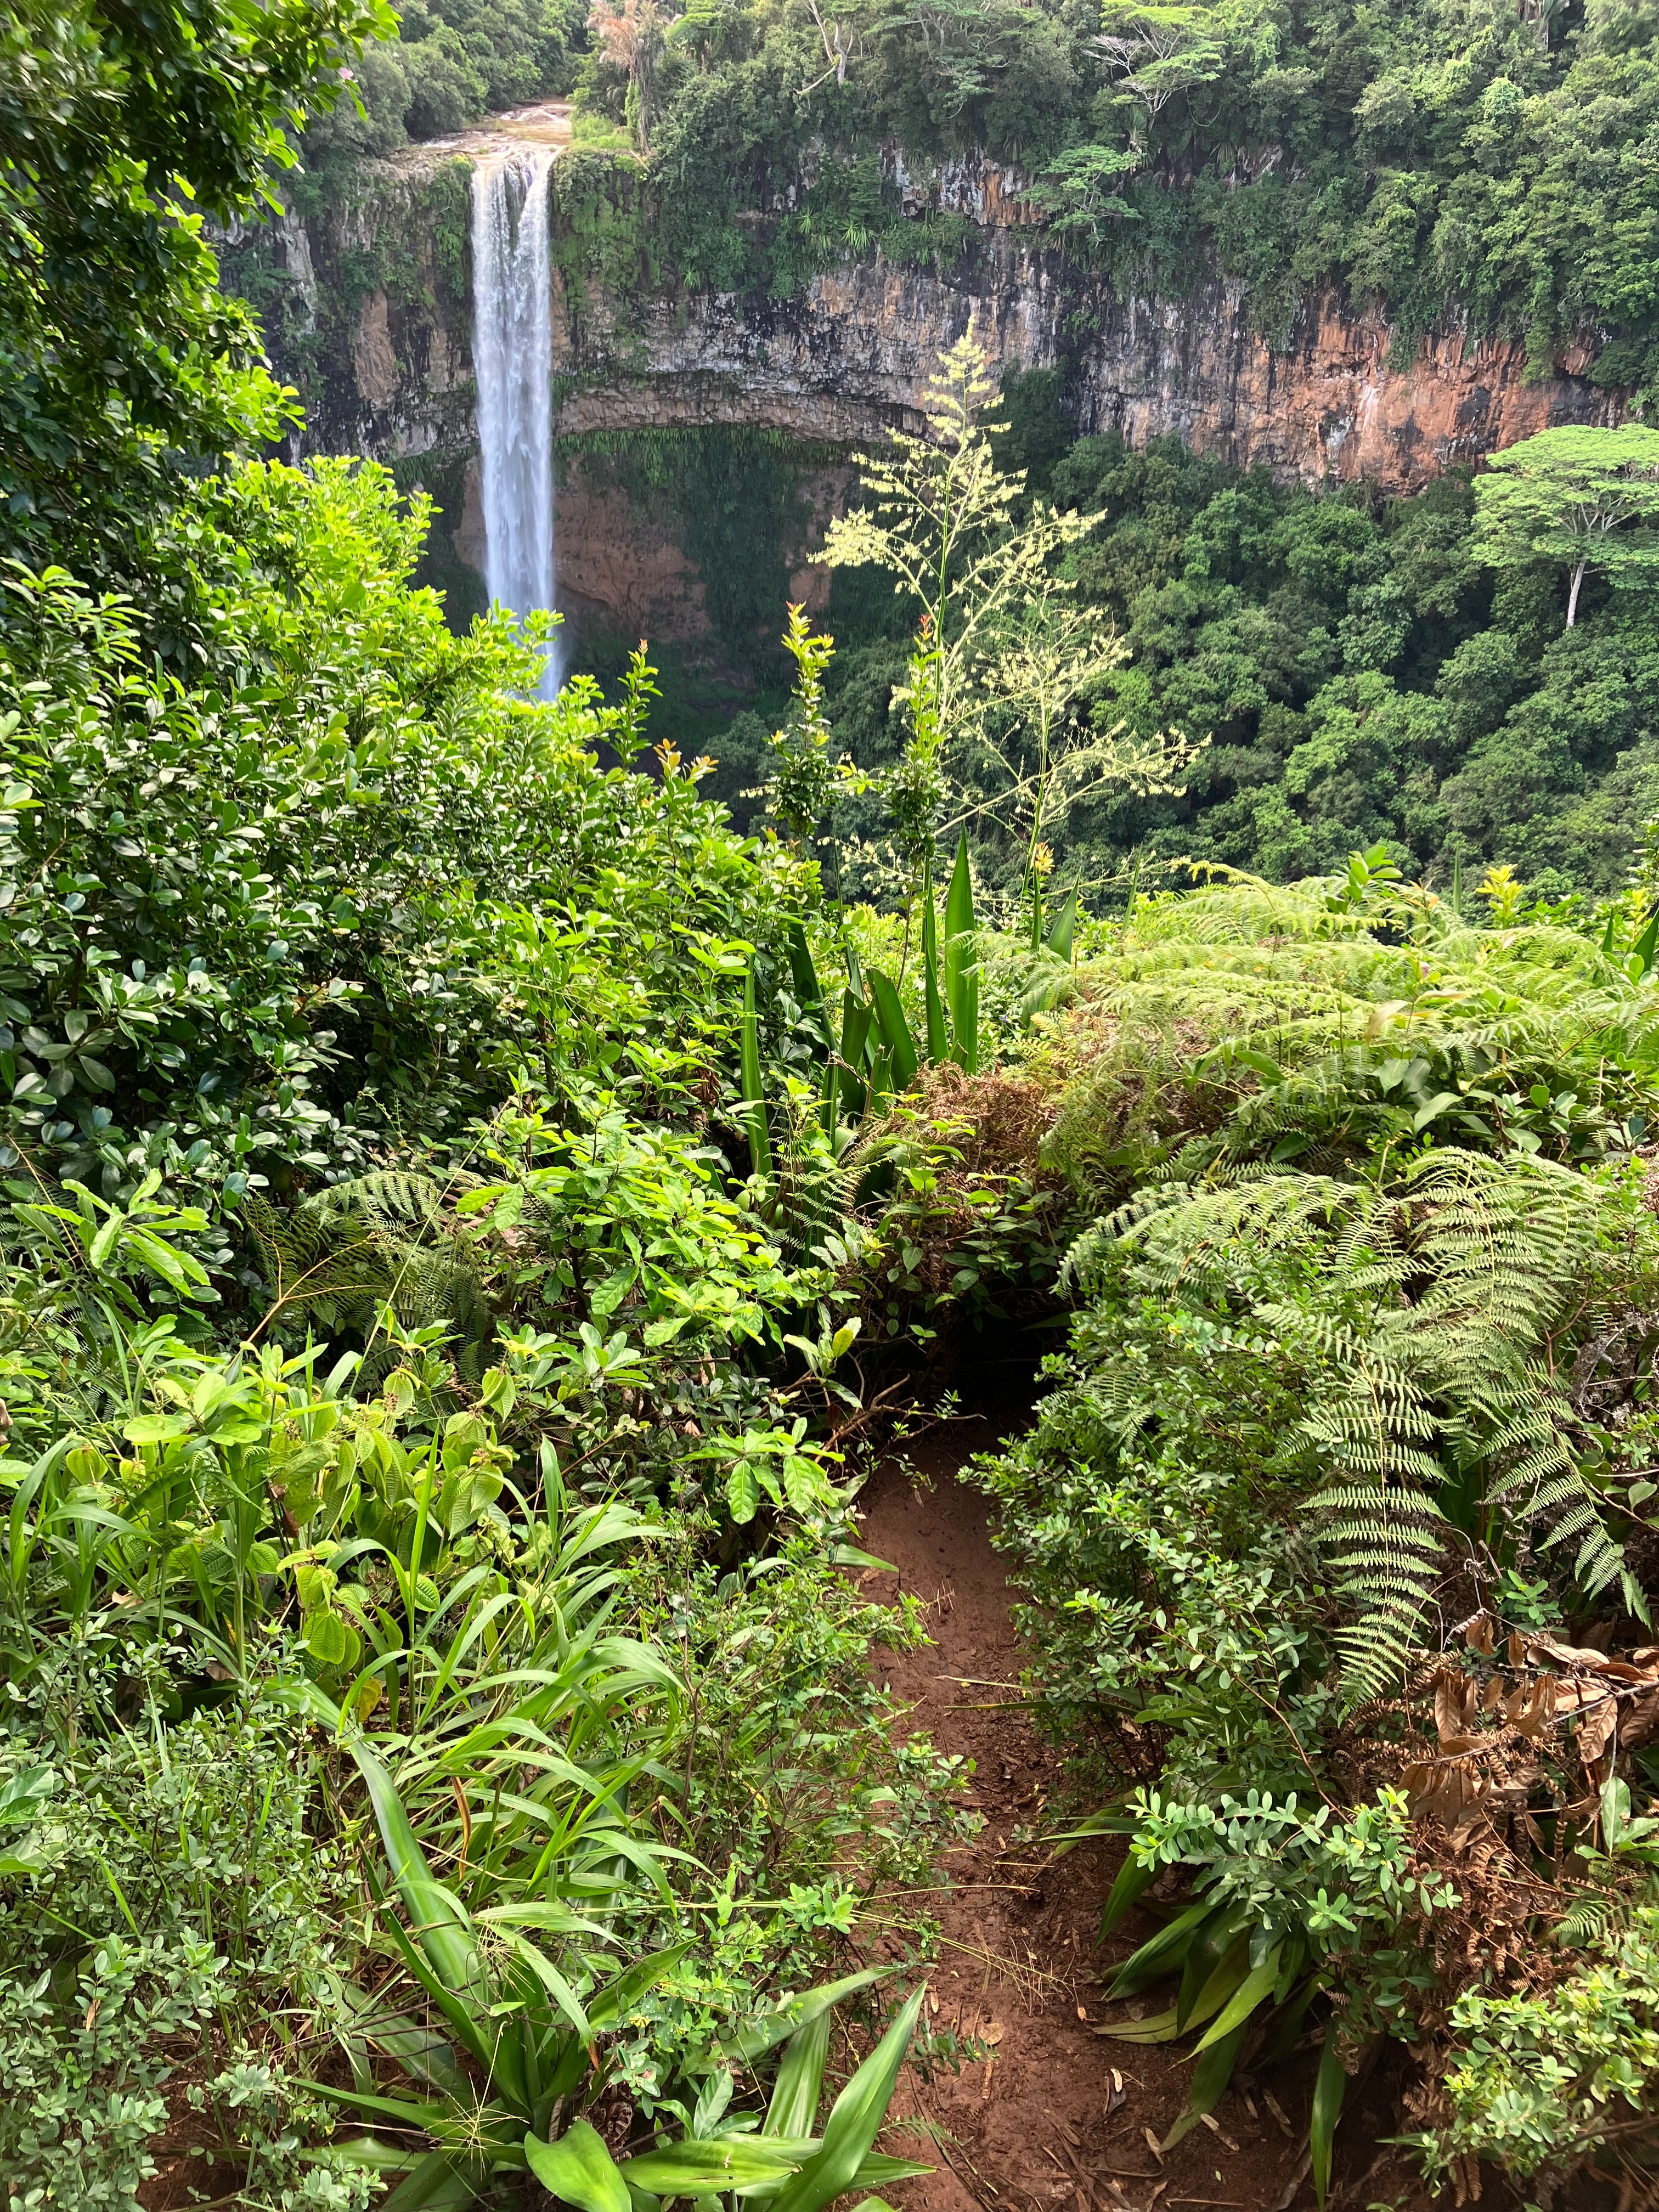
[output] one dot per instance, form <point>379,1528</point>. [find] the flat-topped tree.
<point>1580,495</point>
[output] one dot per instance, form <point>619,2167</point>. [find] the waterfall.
<point>513,362</point>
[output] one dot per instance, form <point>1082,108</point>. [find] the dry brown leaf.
<point>1565,1655</point>
<point>1596,1730</point>
<point>1451,1687</point>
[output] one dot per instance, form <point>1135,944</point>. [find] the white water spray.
<point>513,362</point>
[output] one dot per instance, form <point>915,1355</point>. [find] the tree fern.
<point>1418,1312</point>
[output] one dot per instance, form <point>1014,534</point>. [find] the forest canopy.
<point>1447,157</point>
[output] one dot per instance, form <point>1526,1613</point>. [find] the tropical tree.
<point>123,132</point>
<point>632,33</point>
<point>1576,495</point>
<point>1078,192</point>
<point>1160,48</point>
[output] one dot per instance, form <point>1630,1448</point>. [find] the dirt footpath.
<point>1060,2112</point>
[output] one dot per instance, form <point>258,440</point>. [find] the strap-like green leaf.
<point>1133,1879</point>
<point>855,2121</point>
<point>579,2169</point>
<point>618,1996</point>
<point>1160,2027</point>
<point>961,963</point>
<point>1256,1984</point>
<point>938,1040</point>
<point>764,2035</point>
<point>690,2168</point>
<point>1214,1942</point>
<point>1161,1954</point>
<point>437,1918</point>
<point>895,1031</point>
<point>804,976</point>
<point>1210,2077</point>
<point>1063,931</point>
<point>1329,2083</point>
<point>406,2112</point>
<point>440,2183</point>
<point>878,2167</point>
<point>794,2105</point>
<point>760,1145</point>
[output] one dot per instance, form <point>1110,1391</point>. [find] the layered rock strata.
<point>852,354</point>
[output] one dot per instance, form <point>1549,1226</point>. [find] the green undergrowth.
<point>1347,1463</point>
<point>434,1412</point>
<point>471,1211</point>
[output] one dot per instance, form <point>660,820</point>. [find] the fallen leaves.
<point>1541,1699</point>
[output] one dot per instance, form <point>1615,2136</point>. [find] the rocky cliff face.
<point>379,318</point>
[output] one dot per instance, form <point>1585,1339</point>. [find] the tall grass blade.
<point>855,2121</point>
<point>938,1040</point>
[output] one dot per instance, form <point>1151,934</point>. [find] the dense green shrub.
<point>169,1915</point>
<point>331,962</point>
<point>1336,1479</point>
<point>120,357</point>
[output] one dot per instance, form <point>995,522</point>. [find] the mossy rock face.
<point>736,503</point>
<point>443,568</point>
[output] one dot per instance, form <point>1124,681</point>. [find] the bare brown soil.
<point>1059,2114</point>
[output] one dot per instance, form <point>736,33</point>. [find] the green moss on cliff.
<point>730,497</point>
<point>443,476</point>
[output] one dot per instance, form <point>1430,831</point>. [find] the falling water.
<point>513,359</point>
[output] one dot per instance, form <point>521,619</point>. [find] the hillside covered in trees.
<point>475,1215</point>
<point>1354,668</point>
<point>1494,161</point>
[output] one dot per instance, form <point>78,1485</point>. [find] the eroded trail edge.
<point>1045,2120</point>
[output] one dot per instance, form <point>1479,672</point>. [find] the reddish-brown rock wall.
<point>852,354</point>
<point>855,350</point>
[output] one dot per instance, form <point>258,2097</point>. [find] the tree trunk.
<point>1572,596</point>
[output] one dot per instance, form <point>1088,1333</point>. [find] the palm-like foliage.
<point>527,2014</point>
